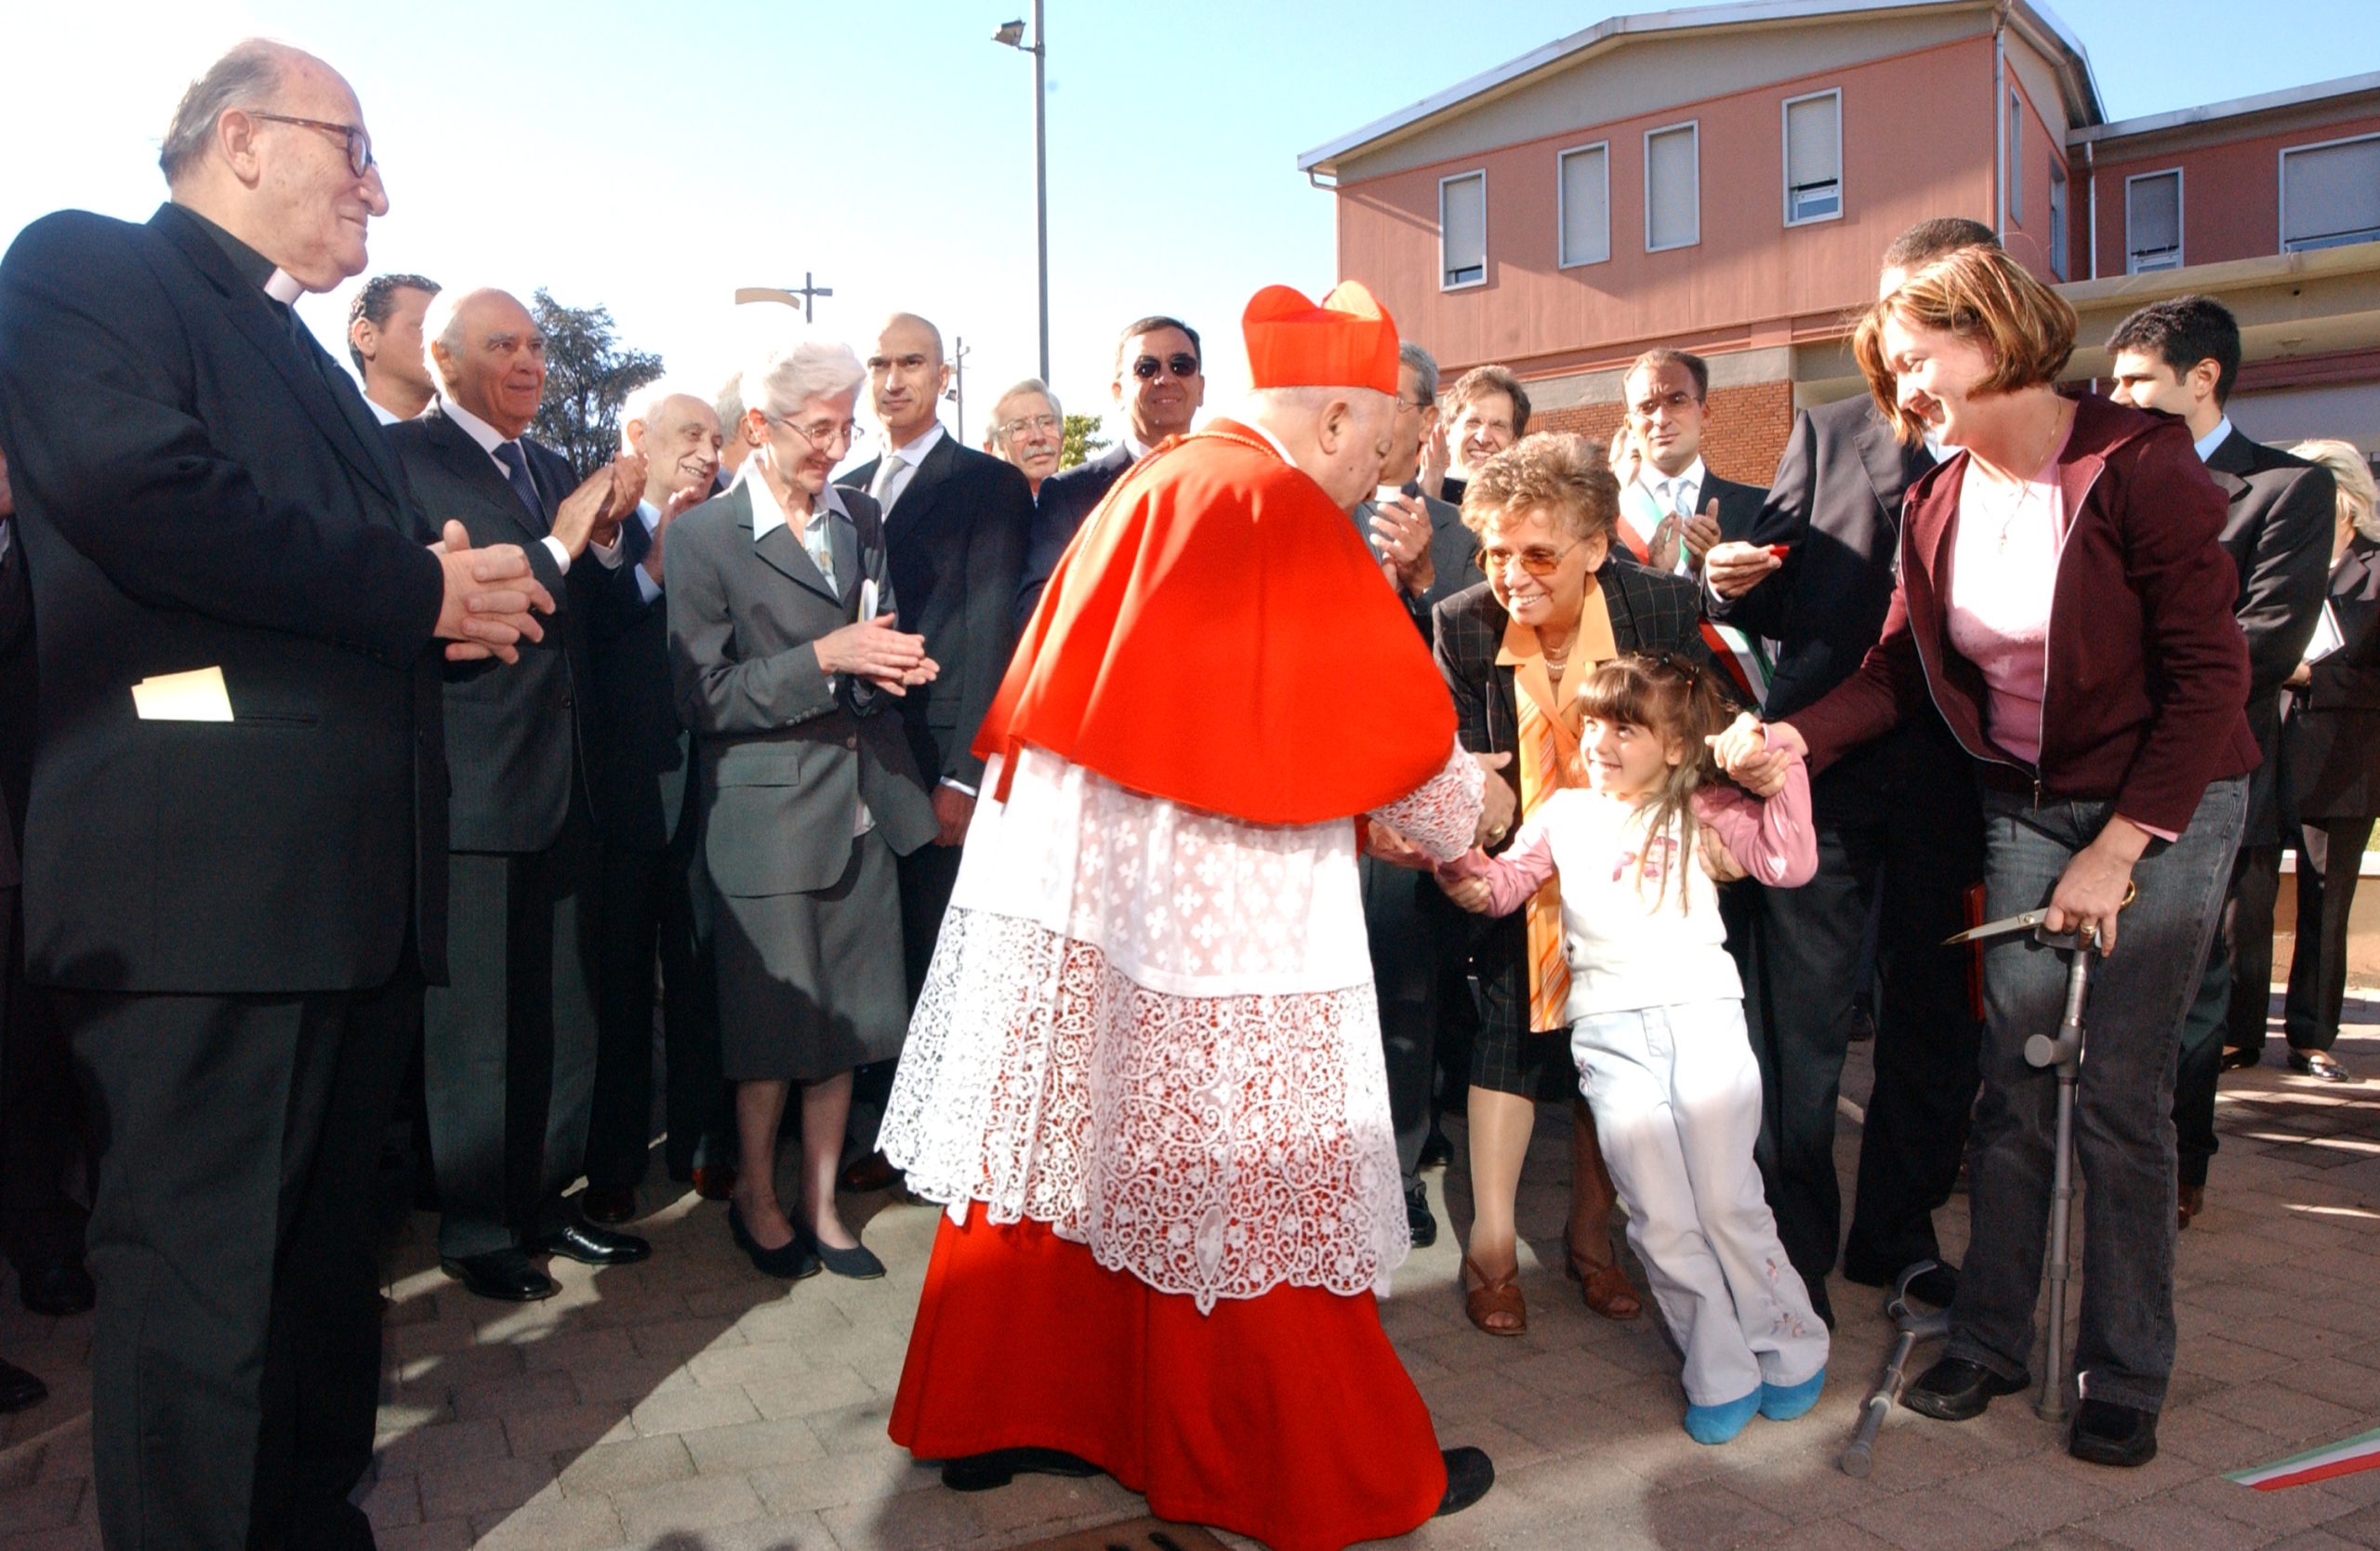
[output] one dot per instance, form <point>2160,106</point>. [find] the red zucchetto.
<point>1348,341</point>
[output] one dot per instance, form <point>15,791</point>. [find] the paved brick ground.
<point>685,1405</point>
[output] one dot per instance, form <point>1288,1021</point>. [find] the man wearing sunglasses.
<point>1160,381</point>
<point>234,859</point>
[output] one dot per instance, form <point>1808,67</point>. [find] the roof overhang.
<point>2046,33</point>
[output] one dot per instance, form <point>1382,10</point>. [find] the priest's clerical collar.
<point>254,267</point>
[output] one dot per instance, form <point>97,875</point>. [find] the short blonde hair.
<point>1980,295</point>
<point>1567,477</point>
<point>2358,493</point>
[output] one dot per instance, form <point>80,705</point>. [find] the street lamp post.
<point>1012,35</point>
<point>809,292</point>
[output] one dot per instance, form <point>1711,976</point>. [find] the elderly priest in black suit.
<point>510,1042</point>
<point>236,856</point>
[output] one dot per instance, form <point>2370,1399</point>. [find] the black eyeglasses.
<point>359,144</point>
<point>1182,366</point>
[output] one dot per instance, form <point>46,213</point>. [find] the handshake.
<point>1754,755</point>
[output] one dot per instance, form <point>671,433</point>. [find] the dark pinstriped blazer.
<point>1650,612</point>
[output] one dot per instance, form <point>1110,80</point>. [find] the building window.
<point>2329,194</point>
<point>1462,230</point>
<point>2057,241</point>
<point>1672,188</point>
<point>1813,157</point>
<point>2015,160</point>
<point>1585,195</point>
<point>2152,221</point>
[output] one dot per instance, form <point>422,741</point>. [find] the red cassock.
<point>1144,1073</point>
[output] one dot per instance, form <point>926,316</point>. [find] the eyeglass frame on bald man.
<point>360,159</point>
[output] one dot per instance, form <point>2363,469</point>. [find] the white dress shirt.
<point>913,455</point>
<point>650,515</point>
<point>1680,493</point>
<point>381,412</point>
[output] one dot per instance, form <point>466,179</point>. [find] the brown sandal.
<point>1495,1305</point>
<point>1610,1294</point>
<point>1608,1290</point>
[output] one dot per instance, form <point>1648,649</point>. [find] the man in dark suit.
<point>18,1389</point>
<point>508,1047</point>
<point>234,859</point>
<point>1430,556</point>
<point>1899,841</point>
<point>955,523</point>
<point>1160,381</point>
<point>639,763</point>
<point>2183,356</point>
<point>44,1133</point>
<point>2331,764</point>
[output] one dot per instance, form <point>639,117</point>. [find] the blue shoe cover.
<point>1783,1402</point>
<point>1718,1424</point>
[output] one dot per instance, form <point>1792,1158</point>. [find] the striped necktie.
<point>1549,963</point>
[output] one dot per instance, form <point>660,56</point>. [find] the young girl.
<point>1657,1017</point>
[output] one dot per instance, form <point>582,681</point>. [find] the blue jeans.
<point>2123,1126</point>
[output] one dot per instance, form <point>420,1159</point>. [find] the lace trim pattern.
<point>1441,813</point>
<point>1213,1146</point>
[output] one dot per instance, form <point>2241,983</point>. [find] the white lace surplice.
<point>1154,1029</point>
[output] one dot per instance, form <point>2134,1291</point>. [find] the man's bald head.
<point>488,355</point>
<point>907,376</point>
<point>265,144</point>
<point>1340,437</point>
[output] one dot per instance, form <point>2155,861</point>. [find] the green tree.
<point>1082,439</point>
<point>589,377</point>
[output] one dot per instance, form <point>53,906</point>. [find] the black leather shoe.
<point>590,1245</point>
<point>58,1287</point>
<point>982,1472</point>
<point>858,1263</point>
<point>1469,1475</point>
<point>1418,1221</point>
<point>1957,1390</point>
<point>791,1261</point>
<point>508,1275</point>
<point>2106,1433</point>
<point>2238,1058</point>
<point>609,1204</point>
<point>18,1389</point>
<point>2319,1063</point>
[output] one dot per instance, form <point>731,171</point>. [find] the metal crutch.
<point>1914,1327</point>
<point>2065,1054</point>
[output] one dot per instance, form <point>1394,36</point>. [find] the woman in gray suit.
<point>783,651</point>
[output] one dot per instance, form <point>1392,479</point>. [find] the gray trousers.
<point>2123,1126</point>
<point>509,1043</point>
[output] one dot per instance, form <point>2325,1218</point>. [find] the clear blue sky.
<point>654,157</point>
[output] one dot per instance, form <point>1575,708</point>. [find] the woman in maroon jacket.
<point>2065,608</point>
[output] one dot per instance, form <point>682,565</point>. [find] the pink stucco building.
<point>1723,179</point>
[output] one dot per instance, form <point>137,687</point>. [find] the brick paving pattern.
<point>687,1405</point>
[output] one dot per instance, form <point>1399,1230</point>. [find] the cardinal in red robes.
<point>1144,1074</point>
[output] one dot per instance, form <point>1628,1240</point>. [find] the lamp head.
<point>1011,34</point>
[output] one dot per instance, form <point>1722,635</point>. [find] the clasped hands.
<point>1401,539</point>
<point>591,514</point>
<point>486,609</point>
<point>892,660</point>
